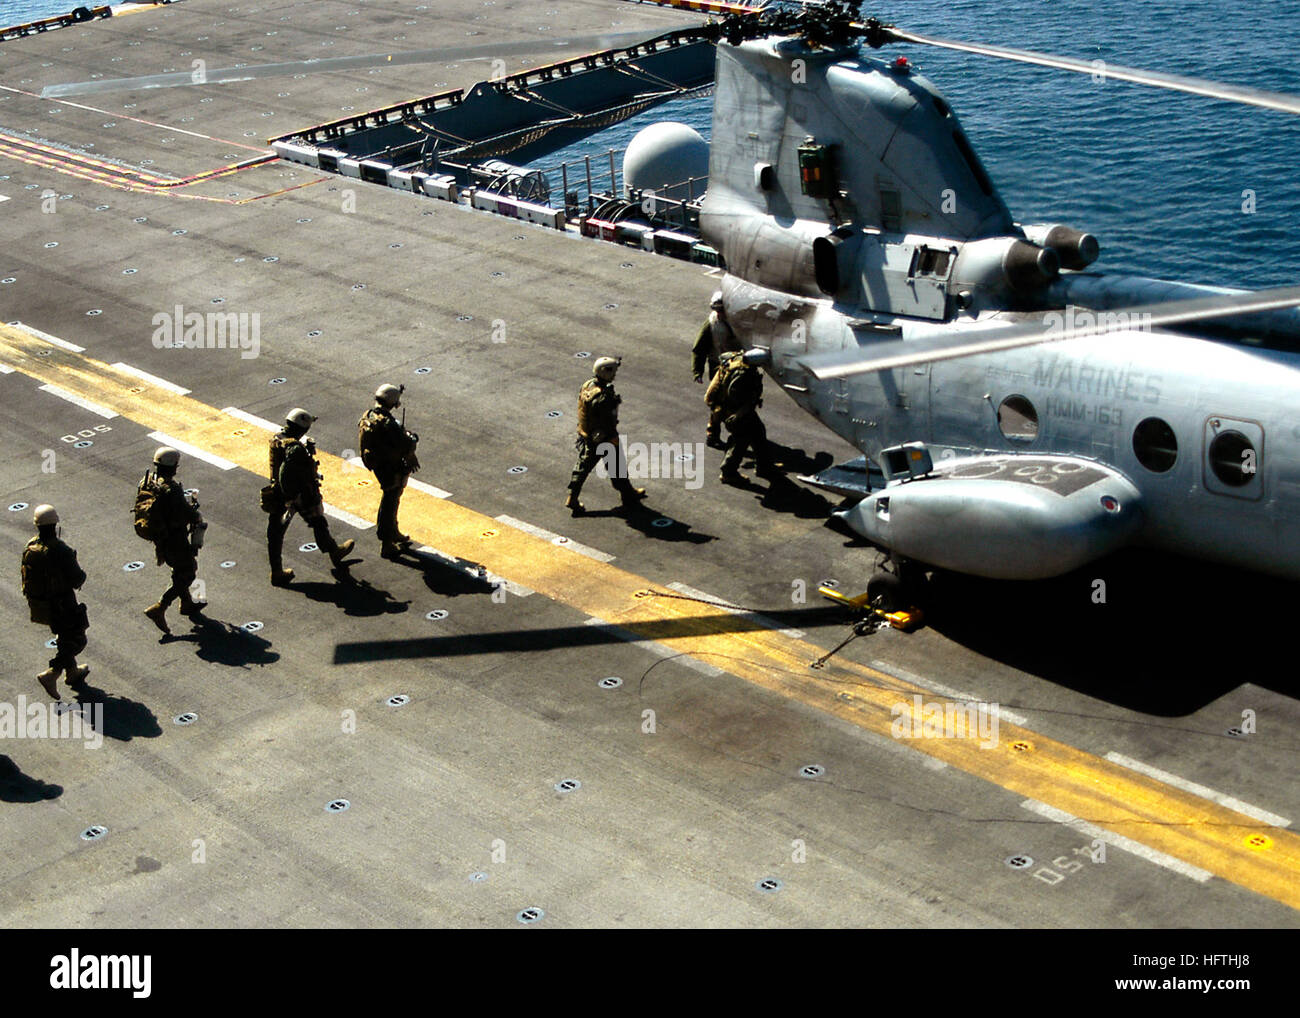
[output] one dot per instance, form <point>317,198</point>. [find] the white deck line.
<point>428,489</point>
<point>1011,717</point>
<point>411,482</point>
<point>655,647</point>
<point>1226,801</point>
<point>470,569</point>
<point>192,450</point>
<point>1118,840</point>
<point>761,619</point>
<point>347,517</point>
<point>556,539</point>
<point>76,400</point>
<point>247,418</point>
<point>154,380</point>
<point>48,338</point>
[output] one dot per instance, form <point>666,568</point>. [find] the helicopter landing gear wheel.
<point>903,588</point>
<point>885,591</point>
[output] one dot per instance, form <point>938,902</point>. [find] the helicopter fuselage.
<point>851,209</point>
<point>1205,432</point>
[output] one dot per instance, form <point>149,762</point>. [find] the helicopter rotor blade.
<point>225,75</point>
<point>1105,69</point>
<point>995,339</point>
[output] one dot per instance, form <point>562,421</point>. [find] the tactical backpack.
<point>716,396</point>
<point>272,498</point>
<point>147,514</point>
<point>36,580</point>
<point>367,435</point>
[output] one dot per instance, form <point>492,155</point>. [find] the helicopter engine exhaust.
<point>1076,249</point>
<point>1006,264</point>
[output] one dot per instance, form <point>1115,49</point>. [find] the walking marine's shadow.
<point>15,786</point>
<point>447,576</point>
<point>797,461</point>
<point>121,719</point>
<point>785,496</point>
<point>355,597</point>
<point>224,643</point>
<point>650,522</point>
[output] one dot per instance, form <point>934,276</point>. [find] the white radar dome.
<point>663,157</point>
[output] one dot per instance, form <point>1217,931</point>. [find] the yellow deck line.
<point>1182,825</point>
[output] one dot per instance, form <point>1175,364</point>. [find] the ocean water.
<point>1160,177</point>
<point>16,12</point>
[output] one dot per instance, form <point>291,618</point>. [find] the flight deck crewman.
<point>598,436</point>
<point>51,577</point>
<point>295,486</point>
<point>737,393</point>
<point>388,451</point>
<point>716,338</point>
<point>165,515</point>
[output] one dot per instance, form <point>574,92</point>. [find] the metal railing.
<point>589,183</point>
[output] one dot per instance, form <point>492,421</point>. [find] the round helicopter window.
<point>1232,458</point>
<point>1155,445</point>
<point>1018,419</point>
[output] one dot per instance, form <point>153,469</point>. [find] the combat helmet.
<point>299,418</point>
<point>389,396</point>
<point>45,515</point>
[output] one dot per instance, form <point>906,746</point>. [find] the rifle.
<point>410,461</point>
<point>199,527</point>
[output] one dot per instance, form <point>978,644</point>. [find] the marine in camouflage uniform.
<point>51,577</point>
<point>177,518</point>
<point>388,451</point>
<point>295,486</point>
<point>716,338</point>
<point>598,437</point>
<point>737,393</point>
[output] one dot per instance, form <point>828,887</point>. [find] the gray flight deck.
<point>455,817</point>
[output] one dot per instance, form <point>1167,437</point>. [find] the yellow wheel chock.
<point>904,621</point>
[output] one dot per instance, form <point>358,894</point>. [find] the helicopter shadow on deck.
<point>15,786</point>
<point>1171,637</point>
<point>571,637</point>
<point>224,643</point>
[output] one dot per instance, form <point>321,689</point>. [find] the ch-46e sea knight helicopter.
<point>1019,416</point>
<point>1017,421</point>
